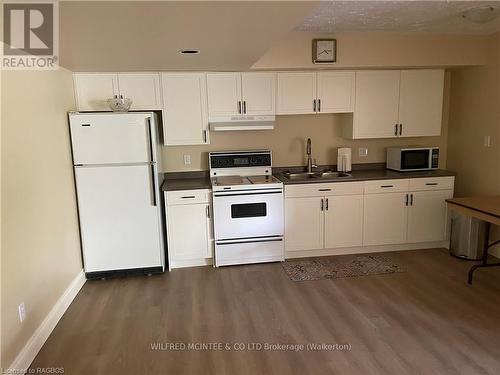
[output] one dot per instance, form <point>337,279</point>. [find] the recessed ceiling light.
<point>481,14</point>
<point>189,51</point>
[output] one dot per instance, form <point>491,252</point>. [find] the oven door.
<point>415,160</point>
<point>249,214</point>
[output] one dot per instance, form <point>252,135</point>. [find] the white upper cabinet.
<point>397,103</point>
<point>296,93</point>
<point>258,93</point>
<point>233,94</point>
<point>224,94</point>
<point>421,102</point>
<point>377,104</point>
<point>142,88</point>
<point>335,92</point>
<point>94,89</point>
<point>185,115</point>
<point>311,92</point>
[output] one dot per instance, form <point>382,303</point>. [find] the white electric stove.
<point>248,208</point>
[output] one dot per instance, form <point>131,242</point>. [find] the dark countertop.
<point>375,171</point>
<point>186,181</point>
<point>365,175</point>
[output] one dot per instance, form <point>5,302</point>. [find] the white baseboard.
<point>42,333</point>
<point>365,249</point>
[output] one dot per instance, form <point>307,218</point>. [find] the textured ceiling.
<point>437,17</point>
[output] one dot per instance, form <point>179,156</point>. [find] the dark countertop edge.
<point>374,171</point>
<point>369,175</point>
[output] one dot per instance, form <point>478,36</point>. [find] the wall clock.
<point>324,51</point>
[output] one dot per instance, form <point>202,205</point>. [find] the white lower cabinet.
<point>344,221</point>
<point>332,217</point>
<point>189,233</point>
<point>385,219</point>
<point>304,223</point>
<point>371,213</point>
<point>427,216</point>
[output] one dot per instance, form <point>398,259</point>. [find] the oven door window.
<point>248,210</point>
<point>415,159</point>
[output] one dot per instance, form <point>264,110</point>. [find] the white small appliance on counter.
<point>247,208</point>
<point>412,158</point>
<point>116,162</point>
<point>344,159</point>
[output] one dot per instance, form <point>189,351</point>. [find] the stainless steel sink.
<point>334,175</point>
<point>327,174</point>
<point>300,175</point>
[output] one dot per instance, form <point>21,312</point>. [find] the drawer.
<point>430,183</point>
<point>187,196</point>
<point>386,186</point>
<point>325,189</point>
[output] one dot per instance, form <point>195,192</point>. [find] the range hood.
<point>232,123</point>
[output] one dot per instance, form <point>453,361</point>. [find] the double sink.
<point>326,174</point>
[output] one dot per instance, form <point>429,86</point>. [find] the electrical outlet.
<point>22,312</point>
<point>363,151</point>
<point>487,141</point>
<point>187,159</point>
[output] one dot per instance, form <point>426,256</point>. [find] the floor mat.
<point>340,266</point>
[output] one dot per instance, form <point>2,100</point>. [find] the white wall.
<point>40,242</point>
<point>475,113</point>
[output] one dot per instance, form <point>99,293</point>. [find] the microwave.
<point>412,158</point>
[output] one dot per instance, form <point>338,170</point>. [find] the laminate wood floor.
<point>424,321</point>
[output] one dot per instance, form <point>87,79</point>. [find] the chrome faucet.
<point>310,164</point>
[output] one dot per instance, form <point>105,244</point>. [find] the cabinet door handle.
<point>386,186</point>
<point>400,129</point>
<point>244,106</point>
<point>319,105</point>
<point>411,199</point>
<point>204,136</point>
<point>314,105</point>
<point>431,183</point>
<point>406,202</point>
<point>324,189</point>
<point>396,130</point>
<point>322,205</point>
<point>239,107</point>
<point>208,212</point>
<point>326,204</point>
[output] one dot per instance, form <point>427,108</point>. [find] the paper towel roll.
<point>344,157</point>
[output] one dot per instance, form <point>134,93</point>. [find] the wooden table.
<point>483,208</point>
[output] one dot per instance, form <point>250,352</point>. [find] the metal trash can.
<point>467,236</point>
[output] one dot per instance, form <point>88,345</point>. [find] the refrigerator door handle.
<point>152,184</point>
<point>150,139</point>
<point>152,164</point>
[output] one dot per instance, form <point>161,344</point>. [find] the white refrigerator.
<point>116,162</point>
